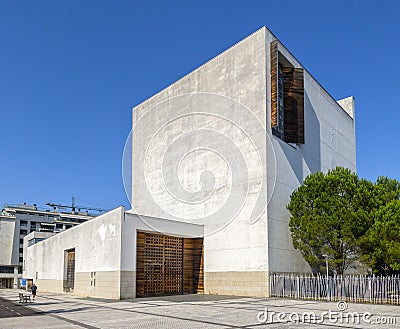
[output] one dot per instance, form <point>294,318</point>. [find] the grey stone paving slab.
<point>194,311</point>
<point>37,322</point>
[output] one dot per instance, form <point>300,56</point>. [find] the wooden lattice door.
<point>173,265</point>
<point>162,264</point>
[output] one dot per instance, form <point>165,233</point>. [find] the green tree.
<point>329,213</point>
<point>386,190</point>
<point>380,246</point>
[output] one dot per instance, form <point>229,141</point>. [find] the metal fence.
<point>351,288</point>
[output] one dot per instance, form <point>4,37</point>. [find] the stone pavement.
<point>188,311</point>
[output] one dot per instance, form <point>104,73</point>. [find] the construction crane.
<point>73,207</point>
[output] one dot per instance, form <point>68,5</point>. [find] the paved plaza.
<point>189,311</point>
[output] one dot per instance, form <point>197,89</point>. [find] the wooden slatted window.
<point>294,105</point>
<point>274,82</point>
<point>287,114</point>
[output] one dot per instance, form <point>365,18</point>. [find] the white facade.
<point>242,76</point>
<point>205,163</point>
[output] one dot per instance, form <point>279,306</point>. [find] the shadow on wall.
<point>311,150</point>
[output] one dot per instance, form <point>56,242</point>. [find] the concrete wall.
<point>97,246</point>
<point>29,237</point>
<point>329,142</point>
<point>232,244</point>
<point>348,105</point>
<point>241,73</point>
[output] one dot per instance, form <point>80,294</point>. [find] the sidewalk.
<point>189,311</point>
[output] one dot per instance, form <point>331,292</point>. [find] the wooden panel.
<point>298,90</point>
<point>188,247</point>
<point>153,265</point>
<point>173,265</point>
<point>294,105</point>
<point>198,259</point>
<point>193,266</point>
<point>274,82</point>
<point>290,117</point>
<point>140,264</point>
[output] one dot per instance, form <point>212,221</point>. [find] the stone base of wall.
<point>104,284</point>
<point>128,284</point>
<point>122,284</point>
<point>107,284</point>
<point>253,284</point>
<point>46,285</point>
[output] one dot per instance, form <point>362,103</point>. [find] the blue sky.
<point>70,72</point>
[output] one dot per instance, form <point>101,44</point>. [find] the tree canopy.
<point>337,215</point>
<point>380,245</point>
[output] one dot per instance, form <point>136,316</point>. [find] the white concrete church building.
<point>215,157</point>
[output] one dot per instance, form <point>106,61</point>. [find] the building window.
<point>7,269</point>
<point>287,98</point>
<point>47,227</point>
<point>35,240</point>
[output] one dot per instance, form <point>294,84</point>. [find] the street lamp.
<point>327,276</point>
<point>327,264</point>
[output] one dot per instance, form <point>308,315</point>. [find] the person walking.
<point>34,290</point>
